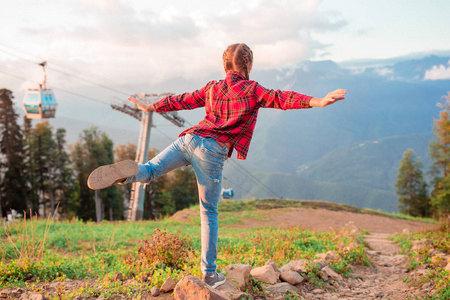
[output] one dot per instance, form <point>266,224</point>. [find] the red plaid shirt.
<point>231,109</point>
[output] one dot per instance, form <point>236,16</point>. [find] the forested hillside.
<point>347,153</point>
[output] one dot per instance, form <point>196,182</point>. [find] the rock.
<point>154,291</point>
<point>295,265</point>
<point>323,275</point>
<point>238,275</point>
<point>427,285</point>
<point>330,272</point>
<point>119,277</point>
<point>356,276</point>
<point>405,231</point>
<point>318,291</point>
<point>3,295</point>
<point>321,255</point>
<point>433,252</point>
<point>332,255</point>
<point>329,256</point>
<point>438,258</point>
<point>168,285</point>
<point>320,263</point>
<point>372,253</point>
<point>233,293</point>
<point>438,261</point>
<point>24,296</point>
<point>15,293</point>
<point>101,297</point>
<point>282,287</point>
<point>421,245</point>
<point>272,263</point>
<point>291,277</point>
<point>37,297</point>
<point>447,268</point>
<point>265,274</point>
<point>191,287</point>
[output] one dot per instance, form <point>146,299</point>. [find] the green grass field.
<point>35,252</point>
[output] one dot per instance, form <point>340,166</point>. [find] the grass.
<point>437,238</point>
<point>264,204</point>
<point>96,253</point>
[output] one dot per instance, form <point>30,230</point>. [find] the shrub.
<point>166,249</point>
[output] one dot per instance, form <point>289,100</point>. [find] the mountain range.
<point>348,152</point>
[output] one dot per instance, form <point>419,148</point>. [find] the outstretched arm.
<point>174,102</point>
<point>331,98</point>
<point>142,106</point>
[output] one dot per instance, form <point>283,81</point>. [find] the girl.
<point>231,108</point>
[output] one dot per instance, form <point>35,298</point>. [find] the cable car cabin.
<point>227,194</point>
<point>39,103</point>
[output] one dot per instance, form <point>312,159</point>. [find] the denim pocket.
<point>213,152</point>
<point>214,148</point>
<point>211,162</point>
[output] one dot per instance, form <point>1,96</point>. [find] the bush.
<point>166,249</point>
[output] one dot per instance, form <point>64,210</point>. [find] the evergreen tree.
<point>124,152</point>
<point>411,187</point>
<point>12,187</point>
<point>29,175</point>
<point>43,156</point>
<point>183,188</point>
<point>439,150</point>
<point>93,150</point>
<point>63,173</point>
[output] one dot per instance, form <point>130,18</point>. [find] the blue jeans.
<point>206,157</point>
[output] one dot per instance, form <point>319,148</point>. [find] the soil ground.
<point>384,280</point>
<point>319,219</point>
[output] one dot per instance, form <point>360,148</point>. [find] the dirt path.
<point>319,219</point>
<point>383,281</point>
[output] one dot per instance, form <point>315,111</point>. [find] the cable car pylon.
<point>137,195</point>
<point>40,103</point>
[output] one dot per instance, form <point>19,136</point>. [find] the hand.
<point>142,106</point>
<point>331,98</point>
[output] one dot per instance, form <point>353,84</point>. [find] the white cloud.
<point>384,71</point>
<point>142,40</point>
<point>438,72</point>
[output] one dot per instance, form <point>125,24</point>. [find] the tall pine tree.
<point>439,150</point>
<point>12,185</point>
<point>93,150</point>
<point>412,187</point>
<point>29,175</point>
<point>43,155</point>
<point>63,173</point>
<point>183,188</point>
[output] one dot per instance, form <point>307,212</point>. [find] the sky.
<point>138,42</point>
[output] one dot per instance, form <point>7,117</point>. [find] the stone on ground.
<point>282,287</point>
<point>238,275</point>
<point>291,277</point>
<point>265,274</point>
<point>191,287</point>
<point>168,285</point>
<point>233,293</point>
<point>331,273</point>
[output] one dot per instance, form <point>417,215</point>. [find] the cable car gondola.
<point>227,193</point>
<point>40,103</point>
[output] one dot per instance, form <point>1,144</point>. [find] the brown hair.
<point>238,57</point>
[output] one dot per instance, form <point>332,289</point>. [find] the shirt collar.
<point>234,76</point>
